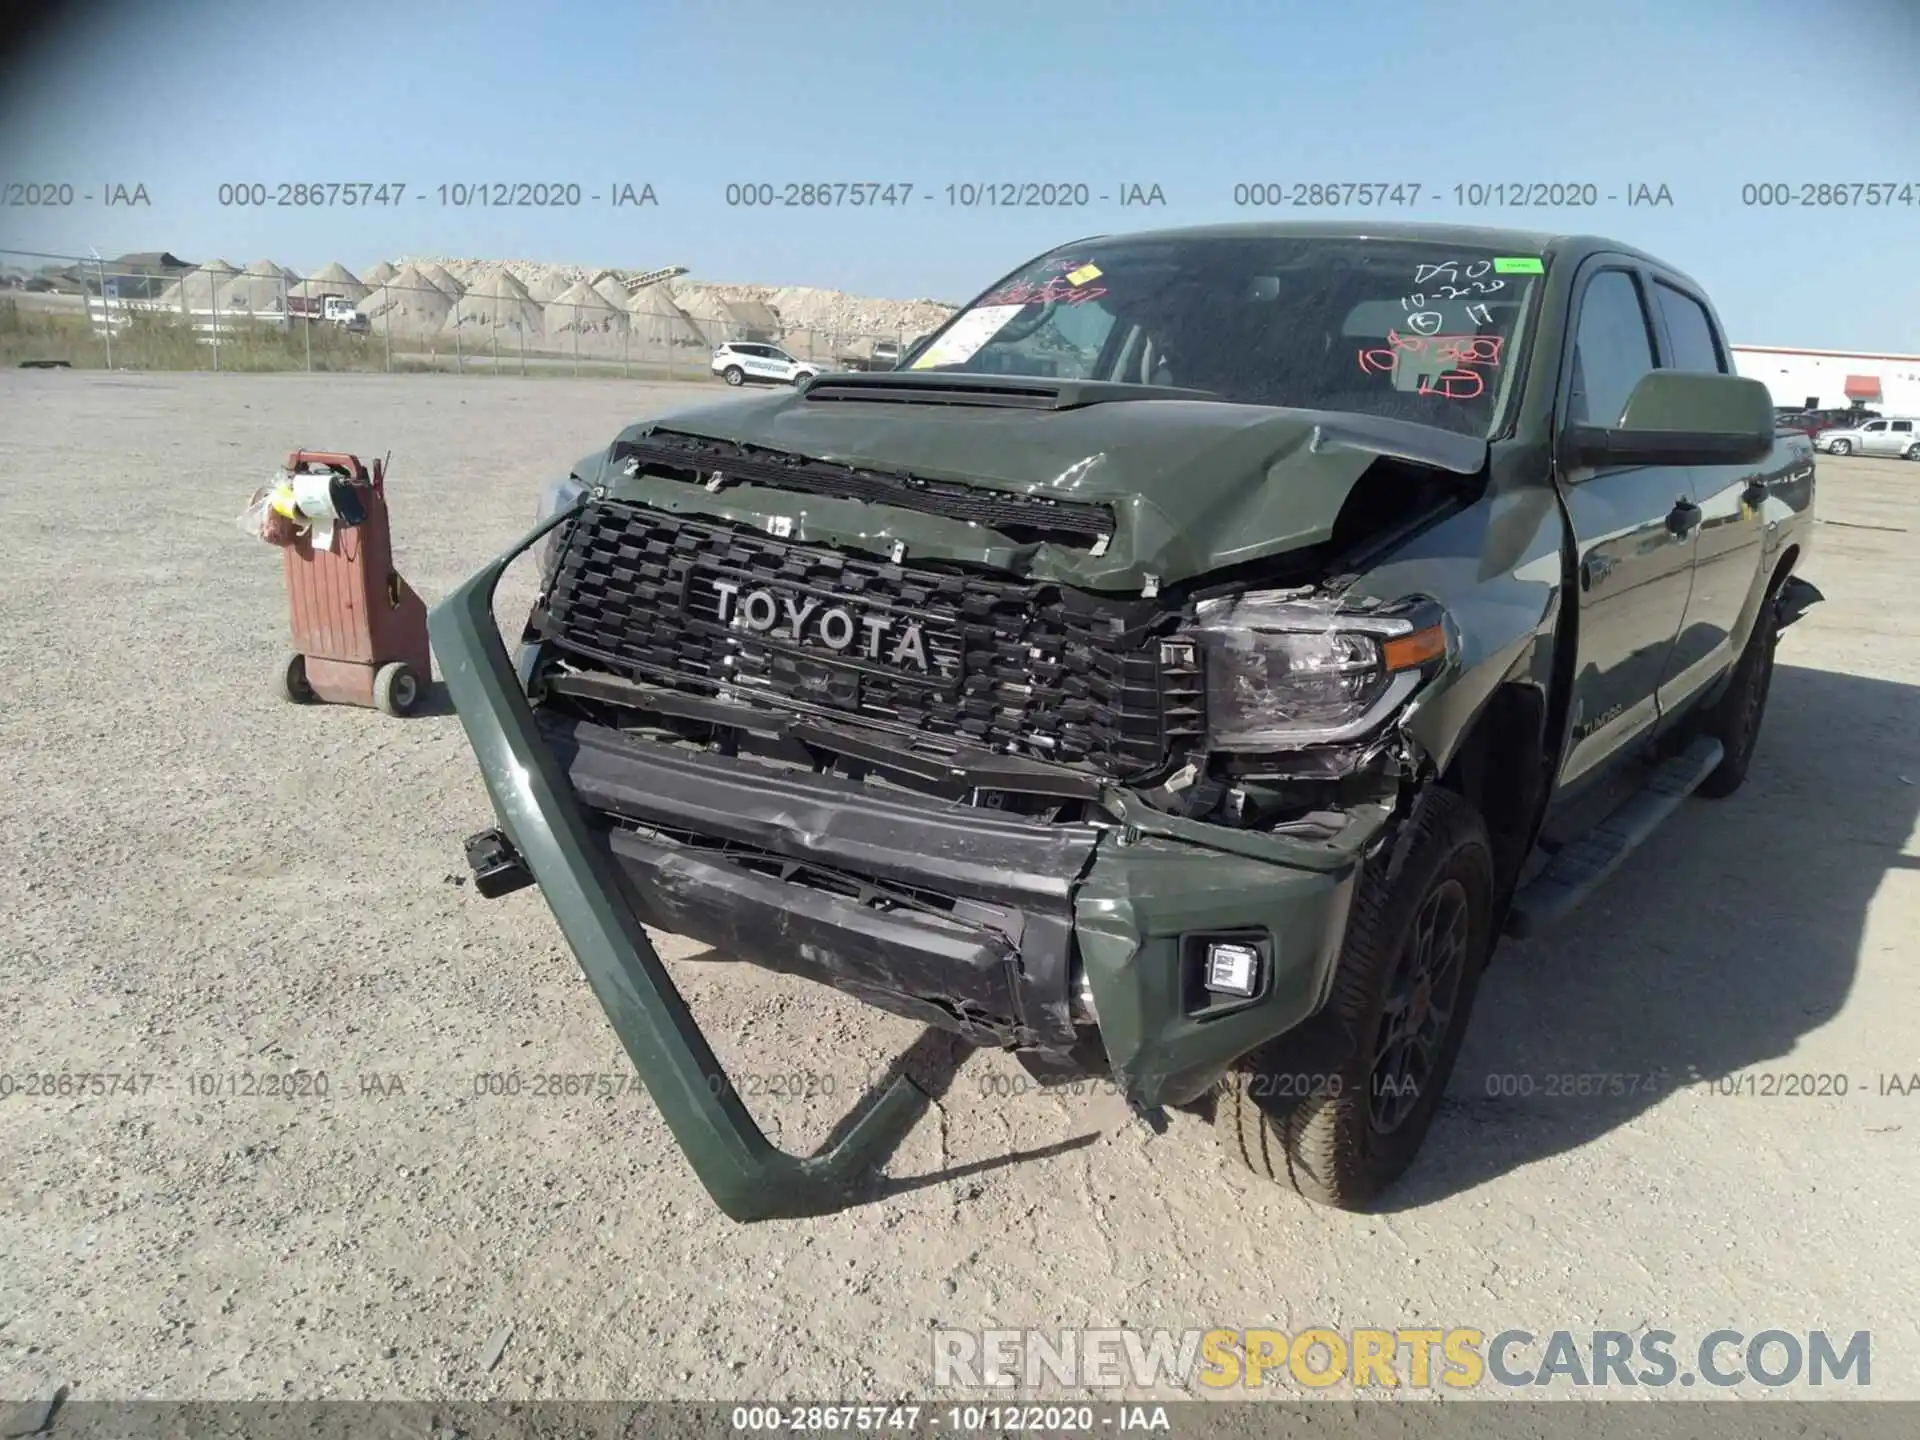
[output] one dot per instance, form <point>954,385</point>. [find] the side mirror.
<point>1674,417</point>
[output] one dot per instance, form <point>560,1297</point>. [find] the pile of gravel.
<point>408,304</point>
<point>583,308</point>
<point>260,289</point>
<point>493,301</point>
<point>801,316</point>
<point>332,278</point>
<point>454,285</point>
<point>545,288</point>
<point>198,289</point>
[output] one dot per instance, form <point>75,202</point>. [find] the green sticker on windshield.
<point>1518,265</point>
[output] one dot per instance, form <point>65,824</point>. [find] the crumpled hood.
<point>1194,485</point>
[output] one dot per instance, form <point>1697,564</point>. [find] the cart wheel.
<point>395,688</point>
<point>291,682</point>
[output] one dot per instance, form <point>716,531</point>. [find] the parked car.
<point>1193,725</point>
<point>1892,435</point>
<point>739,361</point>
<point>1811,422</point>
<point>866,354</point>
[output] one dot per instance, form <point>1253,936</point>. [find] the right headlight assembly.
<point>1283,672</point>
<point>560,495</point>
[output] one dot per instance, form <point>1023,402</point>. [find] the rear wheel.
<point>733,375</point>
<point>1913,451</point>
<point>292,683</point>
<point>1734,719</point>
<point>1417,940</point>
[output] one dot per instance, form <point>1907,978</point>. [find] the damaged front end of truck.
<point>1080,760</point>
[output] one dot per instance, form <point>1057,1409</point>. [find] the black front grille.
<point>1012,666</point>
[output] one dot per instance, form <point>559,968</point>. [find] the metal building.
<point>1834,379</point>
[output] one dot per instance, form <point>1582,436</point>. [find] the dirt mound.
<point>609,288</point>
<point>658,326</point>
<point>333,278</point>
<point>260,289</point>
<point>805,318</point>
<point>583,308</point>
<point>438,275</point>
<point>583,320</point>
<point>546,287</point>
<point>198,289</point>
<point>496,301</point>
<point>408,305</point>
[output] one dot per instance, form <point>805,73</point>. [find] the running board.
<point>1582,864</point>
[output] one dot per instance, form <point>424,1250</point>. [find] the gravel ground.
<point>199,883</point>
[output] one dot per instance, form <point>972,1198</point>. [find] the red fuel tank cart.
<point>359,631</point>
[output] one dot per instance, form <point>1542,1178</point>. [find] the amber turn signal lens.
<point>1409,652</point>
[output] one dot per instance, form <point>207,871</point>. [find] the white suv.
<point>739,361</point>
<point>1895,435</point>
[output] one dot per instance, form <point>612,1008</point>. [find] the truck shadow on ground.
<point>1731,934</point>
<point>932,1063</point>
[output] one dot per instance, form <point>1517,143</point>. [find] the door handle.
<point>1683,517</point>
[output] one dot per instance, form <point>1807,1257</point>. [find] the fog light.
<point>1233,969</point>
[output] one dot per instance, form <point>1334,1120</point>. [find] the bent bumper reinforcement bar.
<point>747,1176</point>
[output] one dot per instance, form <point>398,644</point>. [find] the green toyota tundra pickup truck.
<point>1180,669</point>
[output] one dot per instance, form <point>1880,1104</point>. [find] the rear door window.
<point>1695,346</point>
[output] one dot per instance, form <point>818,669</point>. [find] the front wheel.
<point>733,375</point>
<point>395,688</point>
<point>1417,939</point>
<point>1840,447</point>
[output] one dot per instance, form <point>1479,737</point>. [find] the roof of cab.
<point>1544,243</point>
<point>1485,237</point>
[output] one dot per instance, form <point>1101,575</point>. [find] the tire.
<point>733,375</point>
<point>1734,719</point>
<point>1913,451</point>
<point>1840,447</point>
<point>291,683</point>
<point>1345,1146</point>
<point>396,689</point>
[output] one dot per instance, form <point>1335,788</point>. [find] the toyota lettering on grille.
<point>807,620</point>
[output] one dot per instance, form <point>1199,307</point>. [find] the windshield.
<point>1406,329</point>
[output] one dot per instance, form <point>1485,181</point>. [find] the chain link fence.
<point>91,313</point>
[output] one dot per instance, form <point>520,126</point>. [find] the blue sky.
<point>1703,96</point>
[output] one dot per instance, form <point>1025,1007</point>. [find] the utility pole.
<point>106,315</point>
